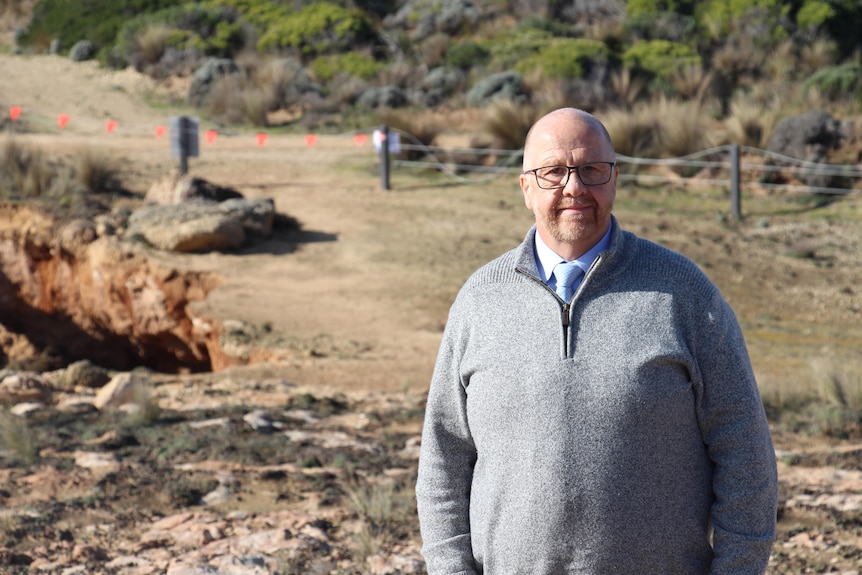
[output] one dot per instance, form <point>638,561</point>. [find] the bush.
<point>351,63</point>
<point>508,51</point>
<point>660,57</point>
<point>320,28</point>
<point>213,31</point>
<point>466,55</point>
<point>96,20</point>
<point>835,82</point>
<point>565,58</point>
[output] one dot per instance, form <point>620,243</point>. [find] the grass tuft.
<point>16,437</point>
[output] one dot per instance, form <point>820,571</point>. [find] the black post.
<point>384,157</point>
<point>184,129</point>
<point>735,195</point>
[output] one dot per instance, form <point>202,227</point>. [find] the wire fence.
<point>730,166</point>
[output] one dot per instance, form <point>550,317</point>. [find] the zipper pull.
<point>565,315</point>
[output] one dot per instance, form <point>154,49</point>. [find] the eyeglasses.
<point>592,174</point>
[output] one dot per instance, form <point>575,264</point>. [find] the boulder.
<point>85,374</point>
<point>202,226</point>
<point>207,75</point>
<point>503,85</point>
<point>176,188</point>
<point>383,97</point>
<point>810,137</point>
<point>82,50</point>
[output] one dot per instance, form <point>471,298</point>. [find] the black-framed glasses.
<point>592,174</point>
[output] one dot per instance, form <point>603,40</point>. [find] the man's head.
<point>571,218</point>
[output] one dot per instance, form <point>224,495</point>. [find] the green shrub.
<point>660,57</point>
<point>96,20</point>
<point>813,14</point>
<point>649,7</point>
<point>836,82</point>
<point>466,55</point>
<point>506,52</point>
<point>351,63</point>
<point>320,28</point>
<point>565,58</point>
<point>262,13</point>
<point>723,16</point>
<point>215,31</point>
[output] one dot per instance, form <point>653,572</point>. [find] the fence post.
<point>384,157</point>
<point>735,195</point>
<point>184,145</point>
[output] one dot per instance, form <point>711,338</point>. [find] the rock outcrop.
<point>98,298</point>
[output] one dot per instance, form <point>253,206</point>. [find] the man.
<point>617,430</point>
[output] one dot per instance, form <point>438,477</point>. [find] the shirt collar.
<point>548,258</point>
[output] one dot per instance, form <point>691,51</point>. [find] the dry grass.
<point>684,126</point>
<point>147,409</point>
<point>634,133</point>
<point>16,437</point>
<point>152,43</point>
<point>692,83</point>
<point>508,123</point>
<point>385,507</point>
<point>424,128</point>
<point>819,54</point>
<point>95,171</point>
<point>749,123</point>
<point>839,384</point>
<point>627,87</point>
<point>24,170</point>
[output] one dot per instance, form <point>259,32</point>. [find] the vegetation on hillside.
<point>601,55</point>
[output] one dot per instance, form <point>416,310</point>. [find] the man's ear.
<point>525,188</point>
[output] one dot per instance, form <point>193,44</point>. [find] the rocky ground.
<point>303,461</point>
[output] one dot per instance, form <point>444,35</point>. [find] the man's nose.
<point>573,186</point>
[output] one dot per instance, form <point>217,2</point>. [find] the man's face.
<point>573,218</point>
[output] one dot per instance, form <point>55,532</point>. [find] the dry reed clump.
<point>423,128</point>
<point>749,123</point>
<point>685,127</point>
<point>692,83</point>
<point>839,390</point>
<point>25,171</point>
<point>237,98</point>
<point>627,87</point>
<point>94,171</point>
<point>151,44</point>
<point>634,133</point>
<point>16,438</point>
<point>386,508</point>
<point>508,122</point>
<point>146,409</point>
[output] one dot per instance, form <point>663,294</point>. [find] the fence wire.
<point>714,167</point>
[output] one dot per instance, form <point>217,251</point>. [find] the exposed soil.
<point>350,309</point>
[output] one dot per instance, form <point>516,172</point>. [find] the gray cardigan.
<point>623,434</point>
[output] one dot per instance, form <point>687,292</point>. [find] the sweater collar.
<point>528,261</point>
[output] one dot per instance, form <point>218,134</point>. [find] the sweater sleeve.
<point>446,463</point>
<point>736,434</point>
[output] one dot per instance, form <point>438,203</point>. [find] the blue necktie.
<point>566,273</point>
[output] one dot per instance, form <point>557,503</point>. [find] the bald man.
<point>593,409</point>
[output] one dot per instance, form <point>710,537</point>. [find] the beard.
<point>576,227</point>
